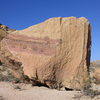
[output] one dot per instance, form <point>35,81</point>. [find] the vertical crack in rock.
<point>89,46</point>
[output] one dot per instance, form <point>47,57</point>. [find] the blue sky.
<point>20,14</point>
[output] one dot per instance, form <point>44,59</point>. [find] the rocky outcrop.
<point>2,35</point>
<point>4,31</point>
<point>55,53</point>
<point>6,28</point>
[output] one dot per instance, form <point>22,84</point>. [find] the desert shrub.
<point>91,93</point>
<point>6,75</point>
<point>95,80</point>
<point>88,91</point>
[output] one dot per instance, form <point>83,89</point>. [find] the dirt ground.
<point>12,91</point>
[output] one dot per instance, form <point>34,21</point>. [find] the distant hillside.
<point>96,62</point>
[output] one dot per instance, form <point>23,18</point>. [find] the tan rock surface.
<point>55,53</point>
<point>4,31</point>
<point>2,35</point>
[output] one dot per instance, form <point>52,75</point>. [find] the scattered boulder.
<point>55,53</point>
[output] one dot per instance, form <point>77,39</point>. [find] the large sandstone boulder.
<point>55,53</point>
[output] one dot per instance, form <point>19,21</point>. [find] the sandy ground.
<point>11,91</point>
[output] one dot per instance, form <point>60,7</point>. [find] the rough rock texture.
<point>4,31</point>
<point>2,35</point>
<point>55,53</point>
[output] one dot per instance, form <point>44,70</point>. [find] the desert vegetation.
<point>6,74</point>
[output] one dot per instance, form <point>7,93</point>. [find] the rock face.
<point>55,53</point>
<point>4,31</point>
<point>2,35</point>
